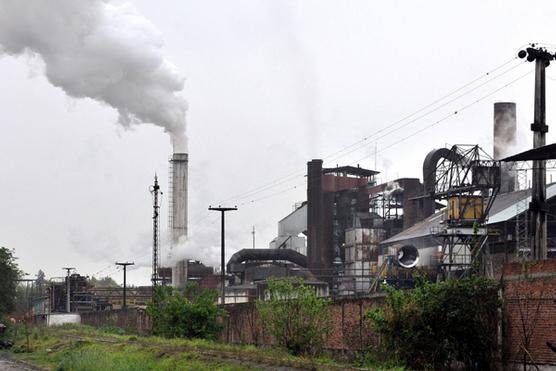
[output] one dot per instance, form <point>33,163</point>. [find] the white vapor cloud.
<point>103,51</point>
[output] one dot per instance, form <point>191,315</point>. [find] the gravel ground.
<point>7,365</point>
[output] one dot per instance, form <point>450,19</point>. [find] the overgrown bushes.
<point>191,314</point>
<point>296,317</point>
<point>439,323</point>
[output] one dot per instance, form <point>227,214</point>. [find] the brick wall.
<point>350,331</point>
<point>132,320</point>
<point>529,293</point>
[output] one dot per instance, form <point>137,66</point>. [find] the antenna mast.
<point>155,191</point>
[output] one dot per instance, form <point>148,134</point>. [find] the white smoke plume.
<point>203,246</point>
<point>100,50</point>
<point>392,187</point>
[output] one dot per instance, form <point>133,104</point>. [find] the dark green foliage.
<point>191,314</point>
<point>438,323</point>
<point>298,319</point>
<point>9,273</point>
<point>103,282</point>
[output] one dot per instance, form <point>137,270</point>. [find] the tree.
<point>103,282</point>
<point>299,320</point>
<point>192,313</point>
<point>437,323</point>
<point>40,282</point>
<point>9,273</point>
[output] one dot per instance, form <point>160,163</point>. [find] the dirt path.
<point>8,365</point>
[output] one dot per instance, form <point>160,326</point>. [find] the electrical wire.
<point>286,177</point>
<point>443,119</point>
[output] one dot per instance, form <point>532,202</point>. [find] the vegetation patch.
<point>439,324</point>
<point>76,347</point>
<point>188,314</point>
<point>297,318</point>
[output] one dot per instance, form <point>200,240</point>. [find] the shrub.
<point>437,323</point>
<point>191,314</point>
<point>298,319</point>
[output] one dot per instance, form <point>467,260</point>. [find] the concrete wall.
<point>56,319</point>
<point>529,292</point>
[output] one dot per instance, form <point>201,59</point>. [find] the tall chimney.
<point>505,128</point>
<point>177,213</point>
<point>320,248</point>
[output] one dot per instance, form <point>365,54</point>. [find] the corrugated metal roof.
<point>510,210</point>
<point>503,208</point>
<point>420,229</point>
<point>547,152</point>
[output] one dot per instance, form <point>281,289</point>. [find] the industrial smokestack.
<point>505,127</point>
<point>177,212</point>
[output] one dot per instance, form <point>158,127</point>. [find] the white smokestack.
<point>177,221</point>
<point>97,49</point>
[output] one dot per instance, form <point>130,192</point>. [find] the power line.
<point>446,117</point>
<point>287,177</point>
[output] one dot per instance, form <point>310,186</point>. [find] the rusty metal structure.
<point>468,180</point>
<point>337,200</point>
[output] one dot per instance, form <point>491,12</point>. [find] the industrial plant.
<point>472,211</point>
<point>468,212</point>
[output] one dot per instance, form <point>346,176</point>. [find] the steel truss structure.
<point>468,181</point>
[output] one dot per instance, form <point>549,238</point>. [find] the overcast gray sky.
<point>269,85</point>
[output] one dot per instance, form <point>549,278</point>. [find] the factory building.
<point>352,232</point>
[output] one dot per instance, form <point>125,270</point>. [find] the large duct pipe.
<point>178,196</point>
<point>505,127</point>
<point>408,256</point>
<point>265,255</point>
<point>429,176</point>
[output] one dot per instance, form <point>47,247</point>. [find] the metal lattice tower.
<point>468,180</point>
<point>155,191</point>
<point>523,246</point>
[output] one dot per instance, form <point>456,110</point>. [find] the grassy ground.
<point>87,348</point>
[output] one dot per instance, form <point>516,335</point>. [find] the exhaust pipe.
<point>408,256</point>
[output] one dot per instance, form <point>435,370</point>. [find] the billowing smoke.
<point>203,245</point>
<point>100,50</point>
<point>504,129</point>
<point>391,188</point>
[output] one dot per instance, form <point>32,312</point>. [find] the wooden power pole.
<point>124,306</point>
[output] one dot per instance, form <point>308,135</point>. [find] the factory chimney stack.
<point>177,213</point>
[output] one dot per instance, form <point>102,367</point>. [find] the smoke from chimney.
<point>100,50</point>
<point>505,126</point>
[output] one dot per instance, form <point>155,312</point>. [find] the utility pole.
<point>155,191</point>
<point>538,207</point>
<point>68,306</point>
<point>222,257</point>
<point>253,233</point>
<point>124,306</point>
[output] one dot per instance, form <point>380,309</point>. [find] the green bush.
<point>298,319</point>
<point>191,314</point>
<point>439,323</point>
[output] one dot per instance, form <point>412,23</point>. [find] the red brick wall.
<point>529,293</point>
<point>132,319</point>
<point>351,331</point>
